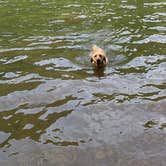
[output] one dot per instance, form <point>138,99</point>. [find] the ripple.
<point>130,7</point>
<point>16,59</point>
<point>28,126</point>
<point>27,110</point>
<point>157,73</point>
<point>152,38</point>
<point>81,16</point>
<point>59,64</point>
<point>146,61</point>
<point>72,5</point>
<point>4,136</point>
<point>156,59</point>
<point>14,79</point>
<point>156,123</point>
<point>47,40</point>
<point>156,17</point>
<point>11,75</point>
<point>56,21</point>
<point>155,4</point>
<point>158,28</point>
<point>160,14</point>
<point>24,49</point>
<point>51,96</point>
<point>158,86</point>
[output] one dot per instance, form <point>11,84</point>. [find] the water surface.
<point>55,108</point>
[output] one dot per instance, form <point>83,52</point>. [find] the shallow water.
<point>53,102</point>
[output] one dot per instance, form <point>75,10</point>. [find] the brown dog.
<point>98,57</point>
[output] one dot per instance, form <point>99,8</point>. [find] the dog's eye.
<point>95,56</point>
<point>100,55</point>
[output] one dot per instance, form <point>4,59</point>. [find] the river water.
<point>56,109</point>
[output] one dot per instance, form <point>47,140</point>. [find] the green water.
<point>51,96</point>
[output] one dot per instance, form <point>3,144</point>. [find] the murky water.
<point>56,109</point>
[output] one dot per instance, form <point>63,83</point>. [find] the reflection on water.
<point>99,72</point>
<point>50,95</point>
<point>25,125</point>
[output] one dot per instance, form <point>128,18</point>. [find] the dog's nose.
<point>98,61</point>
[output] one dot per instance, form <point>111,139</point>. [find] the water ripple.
<point>51,95</point>
<point>16,59</point>
<point>24,49</point>
<point>155,4</point>
<point>153,38</point>
<point>58,64</point>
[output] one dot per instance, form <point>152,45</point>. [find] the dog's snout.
<point>98,61</point>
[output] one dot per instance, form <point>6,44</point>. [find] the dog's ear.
<point>91,60</point>
<point>104,60</point>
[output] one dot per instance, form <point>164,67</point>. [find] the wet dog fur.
<point>98,57</point>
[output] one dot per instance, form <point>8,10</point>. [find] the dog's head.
<point>98,57</point>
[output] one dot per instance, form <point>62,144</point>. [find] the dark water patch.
<point>150,124</point>
<point>9,88</point>
<point>163,86</point>
<point>61,102</point>
<point>99,125</point>
<point>131,70</point>
<point>155,123</point>
<point>163,126</point>
<point>26,125</point>
<point>63,143</point>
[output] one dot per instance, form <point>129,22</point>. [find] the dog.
<point>98,57</point>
